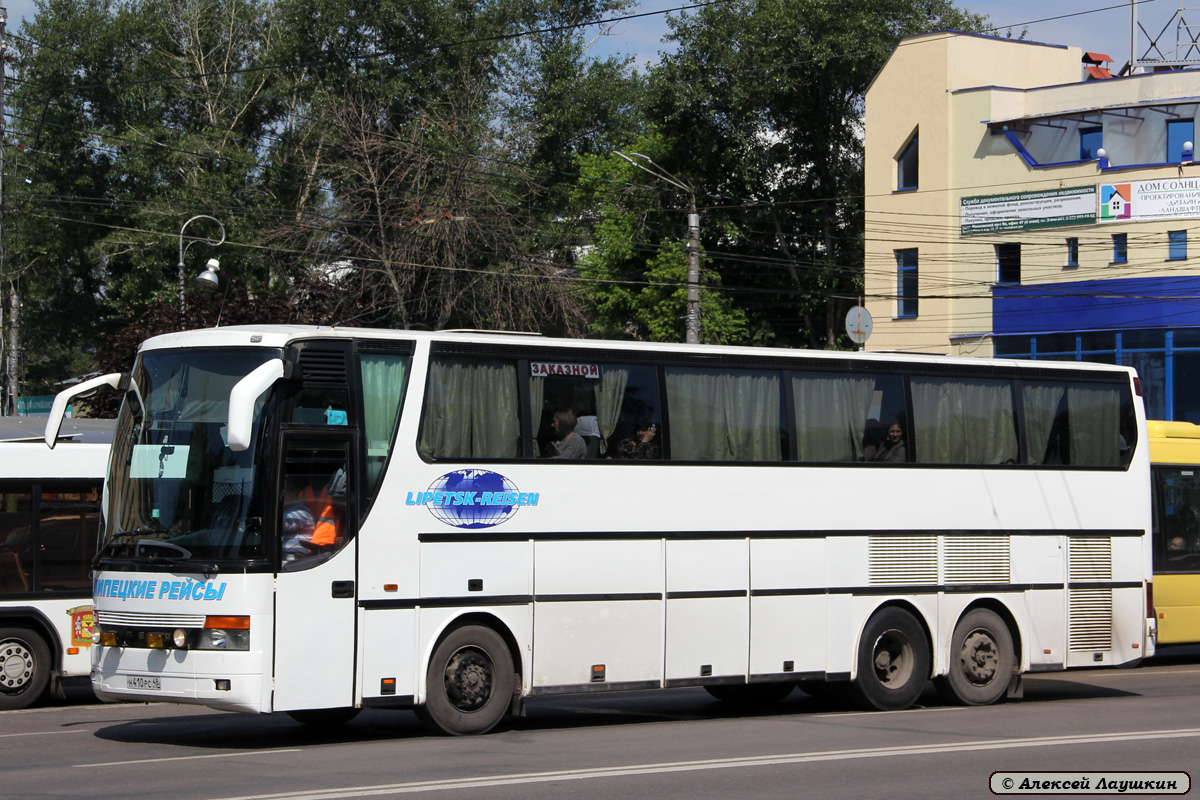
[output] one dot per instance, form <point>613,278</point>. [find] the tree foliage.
<point>436,164</point>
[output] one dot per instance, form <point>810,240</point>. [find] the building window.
<point>1090,140</point>
<point>1120,248</point>
<point>1072,252</point>
<point>906,283</point>
<point>906,166</point>
<point>1008,262</point>
<point>1179,132</point>
<point>1176,245</point>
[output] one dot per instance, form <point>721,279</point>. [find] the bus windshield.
<point>176,491</point>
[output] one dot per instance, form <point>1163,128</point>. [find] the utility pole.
<point>693,245</point>
<point>8,389</point>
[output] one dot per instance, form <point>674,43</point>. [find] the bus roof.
<point>1173,442</point>
<point>33,429</point>
<point>282,335</point>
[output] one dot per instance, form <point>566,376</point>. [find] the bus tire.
<point>893,662</point>
<point>981,660</point>
<point>323,717</point>
<point>469,684</point>
<point>24,667</point>
<point>751,694</point>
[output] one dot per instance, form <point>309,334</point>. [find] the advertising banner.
<point>1024,211</point>
<point>1145,201</point>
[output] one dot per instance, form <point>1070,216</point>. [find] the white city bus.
<point>317,520</point>
<point>49,522</point>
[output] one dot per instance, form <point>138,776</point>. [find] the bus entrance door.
<point>315,587</point>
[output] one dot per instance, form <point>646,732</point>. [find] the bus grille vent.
<point>977,559</point>
<point>1091,620</point>
<point>139,620</point>
<point>323,366</point>
<point>1089,559</point>
<point>903,560</point>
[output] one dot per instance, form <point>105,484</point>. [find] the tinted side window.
<point>845,417</point>
<point>725,415</point>
<point>16,539</point>
<point>471,409</point>
<point>1078,424</point>
<point>1176,519</point>
<point>963,421</point>
<point>69,517</point>
<point>608,401</point>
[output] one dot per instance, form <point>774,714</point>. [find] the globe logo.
<point>474,498</point>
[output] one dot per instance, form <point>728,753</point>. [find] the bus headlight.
<point>180,638</point>
<point>221,639</point>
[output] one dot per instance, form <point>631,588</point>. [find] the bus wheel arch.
<point>471,677</point>
<point>892,658</point>
<point>25,665</point>
<point>983,656</point>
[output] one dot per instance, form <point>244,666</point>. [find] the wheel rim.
<point>16,666</point>
<point>469,679</point>
<point>892,658</point>
<point>979,657</point>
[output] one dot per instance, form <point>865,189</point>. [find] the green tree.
<point>762,103</point>
<point>634,280</point>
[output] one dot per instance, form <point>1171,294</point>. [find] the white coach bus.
<point>49,527</point>
<point>317,520</point>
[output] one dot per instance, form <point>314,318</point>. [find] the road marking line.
<point>36,733</point>
<point>718,763</point>
<point>190,758</point>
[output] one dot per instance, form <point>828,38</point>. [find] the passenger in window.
<point>567,444</point>
<point>873,439</point>
<point>588,428</point>
<point>892,451</point>
<point>1176,544</point>
<point>641,446</point>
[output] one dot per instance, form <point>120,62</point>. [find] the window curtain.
<point>610,396</point>
<point>383,385</point>
<point>537,398</point>
<point>831,415</point>
<point>1095,425</point>
<point>1041,405</point>
<point>723,416</point>
<point>963,422</point>
<point>471,410</point>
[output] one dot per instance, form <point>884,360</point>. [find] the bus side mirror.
<point>243,396</point>
<point>114,380</point>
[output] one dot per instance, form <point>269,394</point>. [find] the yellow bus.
<point>1175,476</point>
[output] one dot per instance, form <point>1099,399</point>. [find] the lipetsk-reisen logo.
<point>472,498</point>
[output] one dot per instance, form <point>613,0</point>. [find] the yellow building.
<point>1015,208</point>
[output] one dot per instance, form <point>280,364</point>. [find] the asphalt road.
<point>662,744</point>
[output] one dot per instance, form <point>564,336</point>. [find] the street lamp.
<point>213,264</point>
<point>693,245</point>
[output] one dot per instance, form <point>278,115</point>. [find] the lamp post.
<point>211,262</point>
<point>693,245</point>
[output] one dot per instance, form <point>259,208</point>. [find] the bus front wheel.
<point>893,662</point>
<point>24,668</point>
<point>469,684</point>
<point>981,660</point>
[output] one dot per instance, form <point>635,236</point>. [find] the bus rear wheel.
<point>893,662</point>
<point>469,684</point>
<point>981,660</point>
<point>24,668</point>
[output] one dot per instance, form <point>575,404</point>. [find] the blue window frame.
<point>1090,140</point>
<point>1120,248</point>
<point>1008,262</point>
<point>906,283</point>
<point>1072,252</point>
<point>1176,245</point>
<point>1179,131</point>
<point>907,164</point>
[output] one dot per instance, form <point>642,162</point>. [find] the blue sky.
<point>1079,23</point>
<point>1103,25</point>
